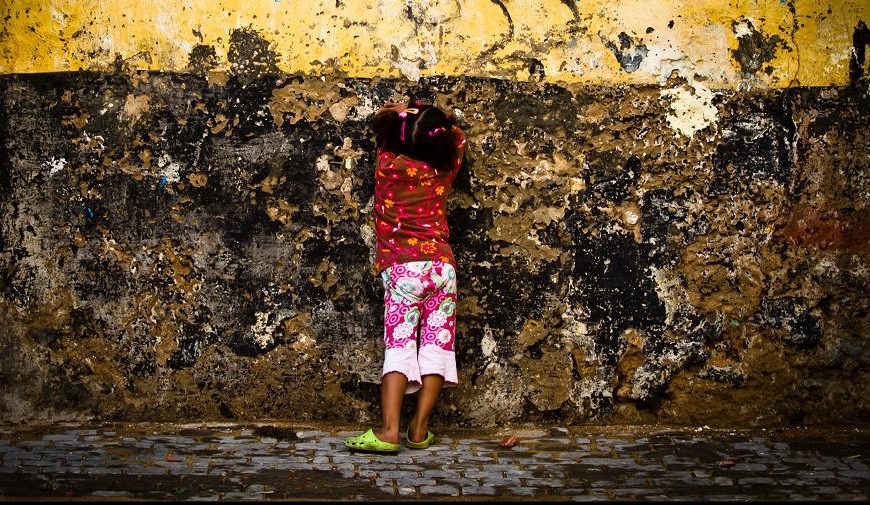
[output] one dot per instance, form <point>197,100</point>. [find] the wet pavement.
<point>275,461</point>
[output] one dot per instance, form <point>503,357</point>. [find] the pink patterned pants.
<point>420,298</point>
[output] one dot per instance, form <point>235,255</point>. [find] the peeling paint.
<point>691,107</point>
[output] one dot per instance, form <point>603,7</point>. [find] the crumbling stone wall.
<point>196,244</point>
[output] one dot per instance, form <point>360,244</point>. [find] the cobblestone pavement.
<point>216,461</point>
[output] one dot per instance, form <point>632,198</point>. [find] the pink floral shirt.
<point>411,208</point>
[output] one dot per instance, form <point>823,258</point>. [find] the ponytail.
<point>422,132</point>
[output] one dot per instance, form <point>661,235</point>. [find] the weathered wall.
<point>663,215</point>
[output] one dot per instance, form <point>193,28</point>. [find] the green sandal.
<point>430,439</point>
<point>369,442</point>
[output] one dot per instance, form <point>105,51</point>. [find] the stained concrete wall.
<point>662,216</point>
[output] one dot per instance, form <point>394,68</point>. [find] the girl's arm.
<point>461,141</point>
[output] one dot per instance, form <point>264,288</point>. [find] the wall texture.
<point>663,215</point>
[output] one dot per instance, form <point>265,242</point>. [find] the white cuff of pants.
<point>431,359</point>
<point>403,360</point>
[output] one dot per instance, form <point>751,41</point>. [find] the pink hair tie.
<point>436,131</point>
<point>402,115</point>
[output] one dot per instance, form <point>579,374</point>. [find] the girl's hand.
<point>393,107</point>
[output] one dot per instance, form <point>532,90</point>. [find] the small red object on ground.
<point>509,441</point>
<point>726,462</point>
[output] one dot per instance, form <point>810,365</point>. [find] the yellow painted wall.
<point>367,38</point>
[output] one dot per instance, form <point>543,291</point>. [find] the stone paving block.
<point>188,471</point>
<point>413,481</point>
<point>378,466</point>
<point>318,434</point>
<point>57,469</point>
<point>455,468</point>
<point>442,490</point>
<point>406,491</point>
<point>112,494</point>
<point>723,481</point>
<point>748,481</point>
<point>519,491</point>
<point>634,491</point>
<point>858,474</point>
<point>367,473</point>
<point>478,491</point>
<point>813,475</point>
<point>43,462</point>
<point>610,462</point>
<point>270,461</point>
<point>437,473</point>
<point>748,467</point>
<point>483,473</point>
<point>145,470</point>
<point>540,482</point>
<point>320,467</point>
<point>404,459</point>
<point>458,481</point>
<point>516,448</point>
<point>238,495</point>
<point>392,474</point>
<point>502,481</point>
<point>235,440</point>
<point>103,470</point>
<point>316,446</point>
<point>296,461</point>
<point>386,484</point>
<point>750,446</point>
<point>571,456</point>
<point>824,490</point>
<point>830,464</point>
<point>715,497</point>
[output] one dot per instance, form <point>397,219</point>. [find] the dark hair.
<point>426,136</point>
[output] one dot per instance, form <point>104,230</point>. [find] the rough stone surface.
<point>183,247</point>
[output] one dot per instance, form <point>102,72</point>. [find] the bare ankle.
<point>386,436</point>
<point>417,431</point>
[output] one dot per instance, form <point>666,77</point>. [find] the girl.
<point>419,151</point>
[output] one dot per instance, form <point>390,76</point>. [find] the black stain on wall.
<point>201,59</point>
<point>505,38</point>
<point>664,224</point>
<point>860,40</point>
<point>630,52</point>
<point>754,48</point>
<point>575,11</point>
<point>536,70</point>
<point>792,315</point>
<point>610,177</point>
<point>757,139</point>
<point>5,162</point>
<point>250,55</point>
<point>615,287</point>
